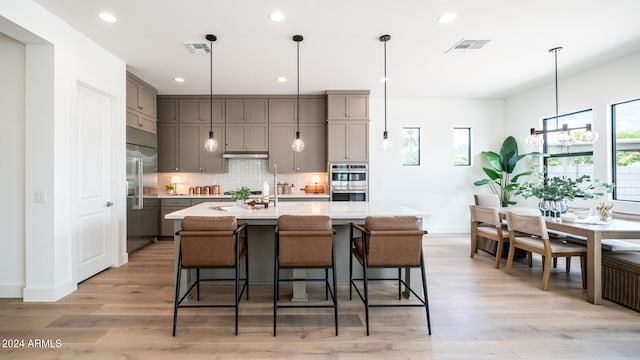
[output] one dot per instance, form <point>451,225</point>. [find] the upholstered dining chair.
<point>208,242</point>
<point>388,242</point>
<point>305,242</point>
<point>486,224</point>
<point>529,233</point>
<point>487,200</point>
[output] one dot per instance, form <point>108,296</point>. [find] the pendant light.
<point>564,137</point>
<point>298,144</point>
<point>386,142</point>
<point>589,136</point>
<point>211,145</point>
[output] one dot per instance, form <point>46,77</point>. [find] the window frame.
<point>614,150</point>
<point>545,146</point>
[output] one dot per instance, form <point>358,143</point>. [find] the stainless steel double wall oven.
<point>349,182</point>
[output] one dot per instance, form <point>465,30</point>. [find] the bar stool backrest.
<point>305,240</point>
<point>209,241</point>
<point>393,240</point>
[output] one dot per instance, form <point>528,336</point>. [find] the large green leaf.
<point>509,154</point>
<point>494,159</point>
<point>492,174</point>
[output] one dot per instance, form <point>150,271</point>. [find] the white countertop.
<point>222,196</point>
<point>343,211</point>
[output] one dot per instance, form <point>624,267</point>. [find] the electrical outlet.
<point>39,197</point>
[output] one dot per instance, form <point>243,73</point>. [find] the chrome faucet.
<point>275,184</point>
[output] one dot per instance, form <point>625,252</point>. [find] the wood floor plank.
<point>477,312</point>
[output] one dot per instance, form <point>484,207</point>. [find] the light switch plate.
<point>39,197</point>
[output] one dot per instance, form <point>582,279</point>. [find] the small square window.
<point>462,146</point>
<point>411,146</point>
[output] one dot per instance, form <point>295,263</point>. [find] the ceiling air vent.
<point>464,45</point>
<point>198,48</point>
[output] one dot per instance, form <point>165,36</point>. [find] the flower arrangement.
<point>564,188</point>
<point>604,211</point>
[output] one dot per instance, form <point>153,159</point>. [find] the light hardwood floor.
<point>477,312</point>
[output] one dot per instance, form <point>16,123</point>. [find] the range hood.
<point>245,155</point>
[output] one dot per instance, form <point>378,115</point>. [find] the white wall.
<point>57,58</point>
<point>438,187</point>
<point>12,88</point>
<point>597,88</point>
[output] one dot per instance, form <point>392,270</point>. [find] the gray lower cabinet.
<point>171,205</point>
<point>192,155</point>
<point>168,147</point>
<point>311,159</point>
<point>168,206</point>
<point>347,141</point>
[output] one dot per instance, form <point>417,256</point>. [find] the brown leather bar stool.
<point>208,242</point>
<point>388,242</point>
<point>305,242</point>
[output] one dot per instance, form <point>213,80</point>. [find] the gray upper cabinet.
<point>282,110</point>
<point>168,147</point>
<point>194,111</point>
<point>311,159</point>
<point>348,141</point>
<point>312,110</point>
<point>348,105</point>
<point>167,110</point>
<point>247,137</point>
<point>247,125</point>
<point>348,126</point>
<point>246,110</point>
<point>192,155</point>
<point>141,104</point>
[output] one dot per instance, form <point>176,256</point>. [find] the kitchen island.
<point>262,227</point>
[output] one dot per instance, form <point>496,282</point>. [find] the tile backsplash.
<point>241,172</point>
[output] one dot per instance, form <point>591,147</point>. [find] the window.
<point>462,146</point>
<point>410,146</point>
<point>625,125</point>
<point>572,160</point>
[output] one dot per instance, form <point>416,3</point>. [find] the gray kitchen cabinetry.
<point>167,110</point>
<point>141,104</point>
<point>168,206</point>
<point>312,110</point>
<point>246,110</point>
<point>168,147</point>
<point>348,141</point>
<point>348,105</point>
<point>191,153</point>
<point>197,111</point>
<point>348,126</point>
<point>247,126</point>
<point>311,159</point>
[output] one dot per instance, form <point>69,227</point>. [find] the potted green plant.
<point>501,179</point>
<point>564,188</point>
<point>555,191</point>
<point>239,196</point>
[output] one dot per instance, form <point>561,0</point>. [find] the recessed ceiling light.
<point>276,16</point>
<point>282,79</point>
<point>108,17</point>
<point>446,18</point>
<point>179,79</point>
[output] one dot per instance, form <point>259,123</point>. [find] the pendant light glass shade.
<point>211,145</point>
<point>565,137</point>
<point>534,139</point>
<point>298,144</point>
<point>386,143</point>
<point>589,136</point>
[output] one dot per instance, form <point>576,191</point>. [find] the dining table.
<point>594,231</point>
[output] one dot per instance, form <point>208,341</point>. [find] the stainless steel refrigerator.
<point>143,206</point>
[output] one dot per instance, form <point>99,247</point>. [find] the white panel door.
<point>93,182</point>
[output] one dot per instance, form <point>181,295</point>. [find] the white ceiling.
<point>341,49</point>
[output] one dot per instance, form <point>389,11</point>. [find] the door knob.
<point>109,204</point>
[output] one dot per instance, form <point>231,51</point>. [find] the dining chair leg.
<point>424,291</point>
<point>567,263</point>
<point>177,298</point>
<point>546,272</point>
<point>512,251</point>
<point>530,258</point>
<point>555,262</point>
<point>366,294</point>
<point>400,283</point>
<point>474,243</point>
<point>499,254</point>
